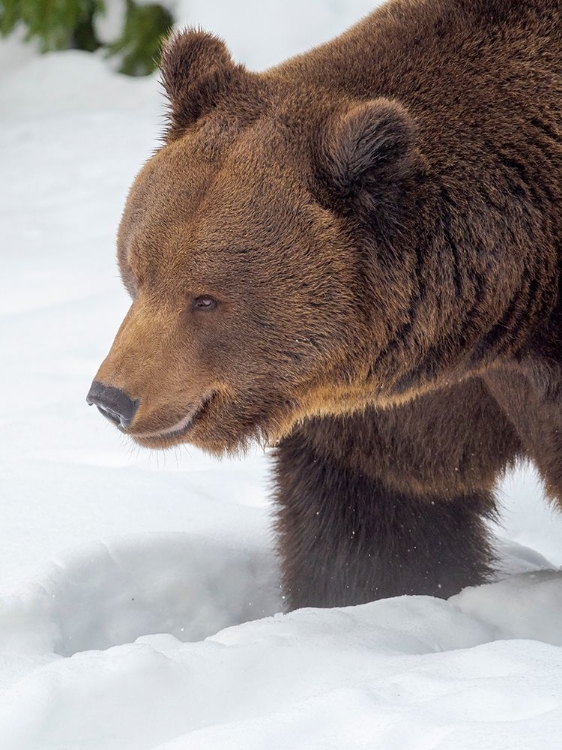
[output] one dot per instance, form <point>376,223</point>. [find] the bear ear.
<point>196,70</point>
<point>365,155</point>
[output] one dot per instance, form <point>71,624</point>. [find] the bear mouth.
<point>168,436</point>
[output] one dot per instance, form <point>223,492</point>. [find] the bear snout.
<point>113,403</point>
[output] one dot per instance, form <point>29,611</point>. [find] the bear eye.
<point>204,303</point>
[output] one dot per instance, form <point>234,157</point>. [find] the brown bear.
<point>355,256</point>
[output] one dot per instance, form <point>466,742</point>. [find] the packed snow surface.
<point>124,576</point>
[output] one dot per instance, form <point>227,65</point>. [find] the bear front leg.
<point>346,539</point>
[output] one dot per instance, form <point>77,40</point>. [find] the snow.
<point>125,575</point>
<point>109,22</point>
<point>413,672</point>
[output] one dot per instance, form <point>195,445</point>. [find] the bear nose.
<point>113,403</point>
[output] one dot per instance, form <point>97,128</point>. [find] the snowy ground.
<point>116,564</point>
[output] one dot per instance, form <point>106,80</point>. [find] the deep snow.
<point>112,559</point>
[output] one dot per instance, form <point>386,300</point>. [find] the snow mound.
<point>411,672</point>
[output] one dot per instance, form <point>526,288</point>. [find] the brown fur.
<point>380,222</point>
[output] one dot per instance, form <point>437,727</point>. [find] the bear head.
<point>259,246</point>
